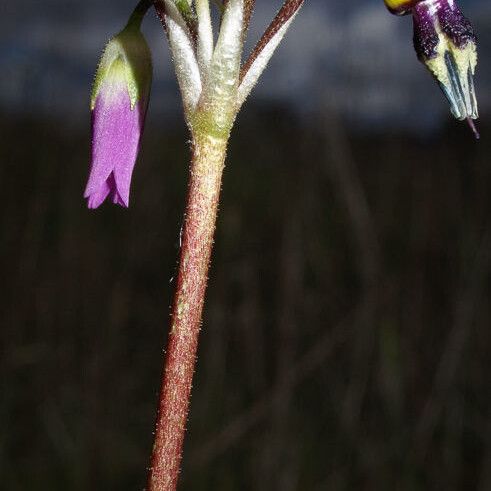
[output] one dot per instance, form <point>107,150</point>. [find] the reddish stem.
<point>289,8</point>
<point>197,241</point>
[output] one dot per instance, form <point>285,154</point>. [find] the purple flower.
<point>119,105</point>
<point>445,43</point>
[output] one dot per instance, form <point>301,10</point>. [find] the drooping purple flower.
<point>119,104</point>
<point>445,43</point>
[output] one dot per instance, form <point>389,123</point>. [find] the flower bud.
<point>118,104</point>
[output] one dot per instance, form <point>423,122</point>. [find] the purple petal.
<point>116,132</point>
<point>124,170</point>
<point>455,25</point>
<point>426,38</point>
<point>117,200</point>
<point>95,199</point>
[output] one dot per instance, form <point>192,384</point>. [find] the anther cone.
<point>446,44</point>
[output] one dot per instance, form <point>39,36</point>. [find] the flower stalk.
<point>208,157</point>
<point>213,86</point>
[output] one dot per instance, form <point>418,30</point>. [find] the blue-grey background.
<point>346,336</point>
<point>351,56</point>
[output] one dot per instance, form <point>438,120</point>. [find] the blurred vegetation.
<point>346,341</point>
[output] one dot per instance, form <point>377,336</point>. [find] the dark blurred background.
<point>346,337</point>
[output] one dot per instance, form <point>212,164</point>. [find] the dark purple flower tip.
<point>445,42</point>
<point>455,25</point>
<point>426,31</point>
<point>440,22</point>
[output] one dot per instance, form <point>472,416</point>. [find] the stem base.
<point>197,242</point>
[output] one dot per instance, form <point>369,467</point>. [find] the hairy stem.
<point>197,240</point>
<point>288,9</point>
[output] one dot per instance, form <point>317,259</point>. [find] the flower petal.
<point>116,132</point>
<point>96,198</point>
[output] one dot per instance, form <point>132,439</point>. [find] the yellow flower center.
<point>400,6</point>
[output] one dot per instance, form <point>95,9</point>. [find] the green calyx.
<point>212,121</point>
<point>126,55</point>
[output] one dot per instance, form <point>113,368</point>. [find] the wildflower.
<point>446,44</point>
<point>118,104</point>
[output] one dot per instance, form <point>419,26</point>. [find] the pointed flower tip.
<point>97,191</point>
<point>446,44</point>
<point>472,125</point>
<point>94,202</point>
<point>119,104</point>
